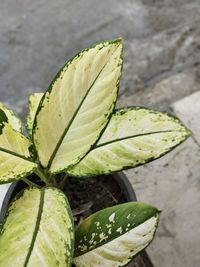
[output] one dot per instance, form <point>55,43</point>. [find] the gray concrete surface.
<point>172,183</point>
<point>162,67</point>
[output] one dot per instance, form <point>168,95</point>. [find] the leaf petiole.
<point>30,183</point>
<point>40,173</point>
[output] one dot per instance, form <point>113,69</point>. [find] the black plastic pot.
<point>142,260</point>
<point>125,186</point>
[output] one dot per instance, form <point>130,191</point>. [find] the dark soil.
<point>87,196</point>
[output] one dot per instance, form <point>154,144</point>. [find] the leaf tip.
<point>188,132</point>
<point>118,41</point>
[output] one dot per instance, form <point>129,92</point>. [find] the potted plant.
<point>75,131</point>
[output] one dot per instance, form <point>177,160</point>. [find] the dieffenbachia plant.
<point>75,128</point>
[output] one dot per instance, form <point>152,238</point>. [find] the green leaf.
<point>38,230</point>
<point>34,101</point>
<point>134,136</point>
<point>113,236</point>
<point>77,106</point>
<point>13,120</point>
<point>15,157</point>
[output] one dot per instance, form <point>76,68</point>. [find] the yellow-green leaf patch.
<point>34,101</point>
<point>77,106</point>
<point>15,156</point>
<point>13,119</point>
<point>134,136</point>
<point>38,230</point>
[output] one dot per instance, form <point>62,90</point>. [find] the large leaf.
<point>134,136</point>
<point>113,236</point>
<point>13,120</point>
<point>34,101</point>
<point>77,106</point>
<point>38,230</point>
<point>15,157</point>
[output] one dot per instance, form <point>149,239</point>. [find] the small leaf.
<point>13,120</point>
<point>134,136</point>
<point>38,230</point>
<point>15,157</point>
<point>34,101</point>
<point>113,236</point>
<point>77,106</point>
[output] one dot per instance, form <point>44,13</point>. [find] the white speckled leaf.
<point>113,236</point>
<point>38,230</point>
<point>15,157</point>
<point>13,120</point>
<point>134,136</point>
<point>77,106</point>
<point>34,101</point>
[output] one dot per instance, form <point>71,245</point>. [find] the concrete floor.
<point>161,68</point>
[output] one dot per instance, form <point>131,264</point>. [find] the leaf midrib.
<point>15,154</point>
<point>37,225</point>
<point>133,136</point>
<point>74,116</point>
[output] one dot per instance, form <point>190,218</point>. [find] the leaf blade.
<point>13,119</point>
<point>45,235</point>
<point>14,168</point>
<point>80,113</point>
<point>113,236</point>
<point>34,101</point>
<point>134,136</point>
<point>15,157</point>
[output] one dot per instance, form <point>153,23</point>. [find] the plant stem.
<point>39,172</point>
<point>52,178</point>
<point>54,181</point>
<point>30,183</point>
<point>63,181</point>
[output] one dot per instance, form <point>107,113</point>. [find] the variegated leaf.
<point>134,136</point>
<point>38,230</point>
<point>34,101</point>
<point>13,120</point>
<point>113,236</point>
<point>15,158</point>
<point>77,106</point>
